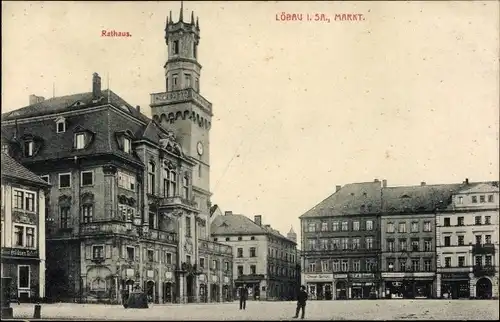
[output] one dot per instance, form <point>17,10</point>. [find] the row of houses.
<point>369,240</point>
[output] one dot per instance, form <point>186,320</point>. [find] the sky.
<point>409,94</point>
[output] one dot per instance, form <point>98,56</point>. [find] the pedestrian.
<point>243,297</point>
<point>301,302</point>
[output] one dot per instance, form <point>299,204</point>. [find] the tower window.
<point>174,79</point>
<point>176,47</point>
<point>187,78</point>
<point>195,50</point>
<point>197,84</point>
<point>166,84</point>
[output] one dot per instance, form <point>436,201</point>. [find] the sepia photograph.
<point>250,160</point>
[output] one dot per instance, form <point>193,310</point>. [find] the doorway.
<point>189,288</point>
<point>167,292</point>
<point>150,291</point>
<point>484,288</point>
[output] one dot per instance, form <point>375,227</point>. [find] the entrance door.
<point>167,292</point>
<point>341,287</point>
<point>328,292</point>
<point>150,291</point>
<point>189,288</point>
<point>484,288</point>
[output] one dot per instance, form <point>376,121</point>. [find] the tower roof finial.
<point>197,23</point>
<point>171,16</point>
<point>182,9</point>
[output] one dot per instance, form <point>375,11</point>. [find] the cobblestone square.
<point>320,310</point>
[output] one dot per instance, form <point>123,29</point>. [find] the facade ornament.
<point>109,169</point>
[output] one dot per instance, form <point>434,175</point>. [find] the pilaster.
<point>438,285</point>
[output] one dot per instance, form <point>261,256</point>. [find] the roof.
<point>423,198</point>
<point>13,169</point>
<point>349,200</point>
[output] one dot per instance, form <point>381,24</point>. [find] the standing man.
<point>243,297</point>
<point>301,302</point>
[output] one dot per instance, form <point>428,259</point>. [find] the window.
<point>187,79</point>
<point>64,216</point>
<point>87,213</point>
<point>460,200</point>
<point>446,222</point>
<point>479,261</point>
<point>24,200</point>
<point>151,177</point>
<point>336,243</point>
<point>402,227</point>
<point>345,226</point>
<point>460,221</point>
<point>490,198</point>
<point>188,259</point>
<point>226,266</point>
<point>170,183</point>
<point>188,226</point>
<point>202,262</point>
<point>240,270</point>
<point>370,265</point>
<point>79,141</point>
<point>474,199</point>
<point>427,226</point>
<point>487,220</point>
<point>369,225</point>
<point>390,245</point>
<point>126,181</point>
<point>447,240</point>
<point>168,259</point>
<point>150,255</point>
<point>311,243</point>
<point>355,225</point>
<point>402,244</point>
<point>414,227</point>
<point>174,80</point>
<point>477,220</point>
<point>324,243</point>
<point>369,242</point>
<point>355,243</point>
<point>127,145</point>
<point>197,84</point>
<point>487,239</point>
<point>28,148</point>
<point>61,126</point>
<point>64,180</point>
<point>479,239</point>
<point>87,178</point>
<point>482,199</point>
<point>461,261</point>
<point>324,226</point>
<point>336,265</point>
<point>488,260</point>
<point>447,262</point>
<point>215,239</point>
<point>312,267</point>
<point>5,148</point>
<point>227,238</point>
<point>24,236</point>
<point>23,276</point>
<point>45,178</point>
<point>427,265</point>
<point>402,264</point>
<point>185,188</point>
<point>390,264</point>
<point>390,227</point>
<point>175,48</point>
<point>345,265</point>
<point>345,243</point>
<point>195,50</point>
<point>98,252</point>
<point>252,252</point>
<point>356,265</point>
<point>252,238</point>
<point>460,239</point>
<point>415,265</point>
<point>240,238</point>
<point>240,252</point>
<point>415,245</point>
<point>127,213</point>
<point>428,245</point>
<point>253,269</point>
<point>335,226</point>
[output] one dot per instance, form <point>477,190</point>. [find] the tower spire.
<point>197,23</point>
<point>192,17</point>
<point>182,10</point>
<point>171,16</point>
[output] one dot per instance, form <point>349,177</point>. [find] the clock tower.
<point>181,107</point>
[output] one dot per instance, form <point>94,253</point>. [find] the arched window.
<point>151,177</point>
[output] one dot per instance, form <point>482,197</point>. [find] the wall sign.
<point>17,252</point>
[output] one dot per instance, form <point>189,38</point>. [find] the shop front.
<point>319,286</point>
<point>408,285</point>
<point>23,267</point>
<point>252,282</point>
<point>341,282</point>
<point>455,285</point>
<point>363,285</point>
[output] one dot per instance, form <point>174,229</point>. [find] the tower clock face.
<point>199,148</point>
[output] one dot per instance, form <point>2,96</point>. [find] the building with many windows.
<point>340,243</point>
<point>265,261</point>
<point>130,197</point>
<point>23,230</point>
<point>408,238</point>
<point>467,243</point>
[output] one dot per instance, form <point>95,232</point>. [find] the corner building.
<point>340,242</point>
<point>467,243</point>
<point>130,197</point>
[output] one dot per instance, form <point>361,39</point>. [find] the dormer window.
<point>127,145</point>
<point>60,125</point>
<point>28,148</point>
<point>79,141</point>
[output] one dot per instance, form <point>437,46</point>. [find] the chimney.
<point>257,219</point>
<point>96,86</point>
<point>36,99</point>
<point>228,213</point>
<point>466,181</point>
<point>422,183</point>
<point>337,188</point>
<point>376,180</point>
<point>384,183</point>
<point>138,108</point>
